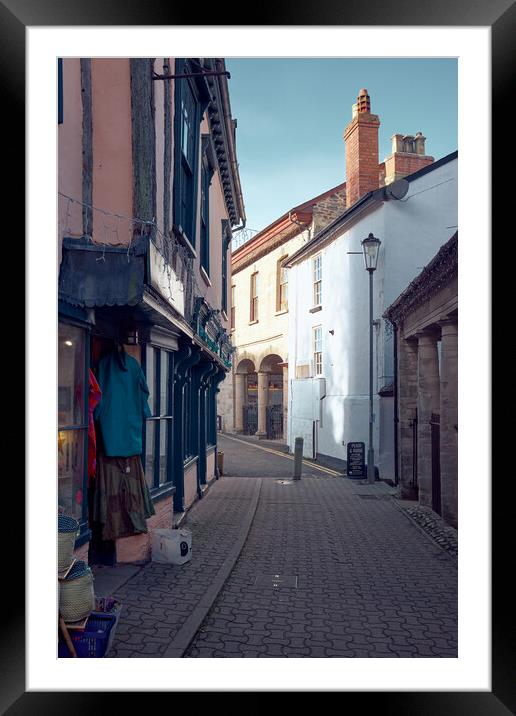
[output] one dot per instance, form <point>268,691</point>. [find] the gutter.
<point>368,201</point>
<point>229,127</point>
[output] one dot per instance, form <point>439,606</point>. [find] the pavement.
<point>324,567</point>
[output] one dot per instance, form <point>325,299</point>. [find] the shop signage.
<point>356,460</point>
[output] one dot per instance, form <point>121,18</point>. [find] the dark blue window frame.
<point>205,217</point>
<point>188,113</point>
<point>163,417</point>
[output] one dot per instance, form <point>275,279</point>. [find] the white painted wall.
<point>411,231</point>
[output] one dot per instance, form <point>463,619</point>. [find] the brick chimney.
<point>408,155</point>
<point>361,140</point>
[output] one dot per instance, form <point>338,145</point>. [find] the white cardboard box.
<point>171,546</point>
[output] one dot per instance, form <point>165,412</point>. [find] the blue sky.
<point>292,113</point>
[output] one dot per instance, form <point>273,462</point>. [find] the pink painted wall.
<point>210,466</point>
<point>112,148</point>
<point>138,547</point>
<point>190,484</point>
<point>217,213</point>
<point>69,144</point>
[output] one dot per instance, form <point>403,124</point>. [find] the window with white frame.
<point>317,279</point>
<point>282,285</point>
<point>317,350</point>
<point>253,312</point>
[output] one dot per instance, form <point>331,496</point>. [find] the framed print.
<point>35,34</point>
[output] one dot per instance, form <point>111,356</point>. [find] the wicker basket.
<point>76,594</point>
<point>66,530</point>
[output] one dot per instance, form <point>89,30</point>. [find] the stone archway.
<point>246,391</point>
<point>271,397</point>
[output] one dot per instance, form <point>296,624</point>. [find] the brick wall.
<point>361,138</point>
<point>400,164</point>
<point>138,547</point>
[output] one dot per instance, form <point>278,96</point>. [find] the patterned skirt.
<point>122,500</point>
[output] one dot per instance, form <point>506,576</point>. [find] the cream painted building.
<point>254,399</point>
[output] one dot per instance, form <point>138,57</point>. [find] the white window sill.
<point>205,276</point>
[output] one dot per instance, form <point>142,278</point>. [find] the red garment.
<point>95,395</point>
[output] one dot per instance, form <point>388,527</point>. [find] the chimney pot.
<point>363,102</point>
<point>419,141</point>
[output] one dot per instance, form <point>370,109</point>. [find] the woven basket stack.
<point>76,593</point>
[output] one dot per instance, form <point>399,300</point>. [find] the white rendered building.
<point>328,371</point>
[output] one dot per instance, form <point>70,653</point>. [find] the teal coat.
<point>124,407</point>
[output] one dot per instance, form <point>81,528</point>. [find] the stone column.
<point>427,403</point>
<point>407,406</point>
<point>285,402</point>
<point>263,401</point>
<point>449,418</point>
<point>240,389</point>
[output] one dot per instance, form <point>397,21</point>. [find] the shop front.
<point>137,391</point>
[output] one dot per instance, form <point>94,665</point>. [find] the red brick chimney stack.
<point>361,139</point>
<point>408,155</point>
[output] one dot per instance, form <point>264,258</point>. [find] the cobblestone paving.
<point>158,599</point>
<point>369,584</point>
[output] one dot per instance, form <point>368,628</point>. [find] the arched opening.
<point>246,397</point>
<point>271,397</point>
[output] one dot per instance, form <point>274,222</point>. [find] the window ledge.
<point>280,313</point>
<point>163,491</point>
<point>181,237</point>
<point>251,323</point>
<point>190,461</point>
<point>205,276</point>
<point>316,308</point>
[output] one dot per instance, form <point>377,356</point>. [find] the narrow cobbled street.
<point>321,567</point>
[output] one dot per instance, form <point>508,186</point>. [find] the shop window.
<point>211,428</point>
<point>158,367</point>
<point>188,432</point>
<point>72,441</point>
<point>186,156</point>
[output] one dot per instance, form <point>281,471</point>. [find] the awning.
<point>94,275</point>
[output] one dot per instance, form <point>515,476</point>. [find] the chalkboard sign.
<point>356,460</point>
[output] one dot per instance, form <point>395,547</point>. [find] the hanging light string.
<point>170,248</point>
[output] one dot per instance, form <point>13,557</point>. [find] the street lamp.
<point>371,248</point>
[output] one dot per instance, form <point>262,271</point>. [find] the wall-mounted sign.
<point>356,460</point>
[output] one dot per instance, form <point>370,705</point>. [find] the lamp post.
<point>371,248</point>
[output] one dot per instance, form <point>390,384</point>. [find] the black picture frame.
<point>500,16</point>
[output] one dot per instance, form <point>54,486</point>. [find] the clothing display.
<point>94,398</point>
<point>122,500</point>
<point>124,407</point>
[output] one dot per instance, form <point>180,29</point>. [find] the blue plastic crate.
<point>91,642</point>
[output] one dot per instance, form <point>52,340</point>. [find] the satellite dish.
<point>397,189</point>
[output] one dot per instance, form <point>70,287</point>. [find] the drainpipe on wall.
<point>300,224</point>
